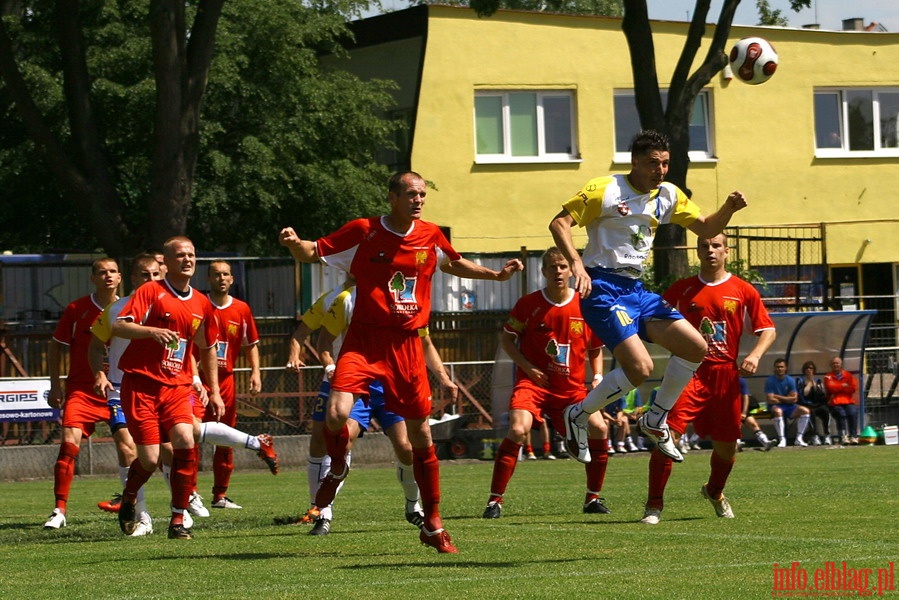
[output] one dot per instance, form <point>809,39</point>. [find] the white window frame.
<point>542,155</point>
<point>709,155</point>
<point>844,151</point>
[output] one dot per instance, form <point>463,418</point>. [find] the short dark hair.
<point>648,140</point>
<point>777,361</point>
<point>551,252</point>
<point>395,184</point>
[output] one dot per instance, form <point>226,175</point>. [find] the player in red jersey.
<point>549,342</point>
<point>393,259</point>
<point>81,408</point>
<point>716,303</point>
<point>237,332</point>
<point>163,320</point>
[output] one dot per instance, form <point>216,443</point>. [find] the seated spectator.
<point>633,408</point>
<point>617,417</point>
<point>749,413</point>
<point>812,396</point>
<point>840,387</point>
<point>781,394</point>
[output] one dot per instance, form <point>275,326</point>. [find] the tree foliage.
<point>125,124</point>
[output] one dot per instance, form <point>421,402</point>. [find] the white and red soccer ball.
<point>753,60</point>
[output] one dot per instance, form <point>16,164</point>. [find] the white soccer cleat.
<point>144,525</point>
<point>576,432</point>
<point>782,443</point>
<point>195,506</point>
<point>225,502</point>
<point>799,442</point>
<point>662,439</point>
<point>721,505</point>
<point>57,520</point>
<point>651,516</point>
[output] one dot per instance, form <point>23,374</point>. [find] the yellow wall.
<point>764,135</point>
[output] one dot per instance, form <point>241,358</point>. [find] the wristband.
<point>330,369</point>
<point>197,380</point>
<point>597,377</point>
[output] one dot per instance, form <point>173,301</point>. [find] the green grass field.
<point>811,506</point>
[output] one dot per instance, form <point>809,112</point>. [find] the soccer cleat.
<point>112,505</point>
<point>769,445</point>
<point>439,539</point>
<point>327,490</point>
<point>188,520</point>
<point>127,517</point>
<point>57,520</point>
<point>597,506</point>
<point>267,452</point>
<point>844,440</point>
<point>144,526</point>
<point>310,516</point>
<point>225,502</point>
<point>531,456</point>
<point>179,532</point>
<point>549,456</point>
<point>853,440</point>
<point>651,516</point>
<point>576,432</point>
<point>621,449</point>
<point>195,506</point>
<point>825,440</point>
<point>493,510</point>
<point>721,505</point>
<point>696,446</point>
<point>414,514</point>
<point>816,441</point>
<point>799,442</point>
<point>631,447</point>
<point>322,527</point>
<point>683,446</point>
<point>662,439</point>
<point>782,442</point>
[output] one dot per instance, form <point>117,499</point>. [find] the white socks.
<point>220,434</point>
<point>407,480</point>
<point>779,427</point>
<point>613,386</point>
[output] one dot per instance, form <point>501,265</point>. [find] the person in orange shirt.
<point>840,387</point>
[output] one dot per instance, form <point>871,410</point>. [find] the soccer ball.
<point>753,60</point>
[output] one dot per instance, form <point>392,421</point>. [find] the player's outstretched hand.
<point>510,268</point>
<point>736,201</point>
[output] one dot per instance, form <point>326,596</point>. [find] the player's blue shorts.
<point>363,410</point>
<point>787,409</point>
<point>618,307</point>
<point>116,414</point>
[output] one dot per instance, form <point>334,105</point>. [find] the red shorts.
<point>712,402</point>
<point>538,401</point>
<point>229,397</point>
<point>83,410</point>
<point>153,408</point>
<point>392,356</point>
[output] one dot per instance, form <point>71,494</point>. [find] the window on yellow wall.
<point>859,122</point>
<point>627,125</point>
<point>524,126</point>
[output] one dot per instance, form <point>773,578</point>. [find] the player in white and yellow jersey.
<point>621,214</point>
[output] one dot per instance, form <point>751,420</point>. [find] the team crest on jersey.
<point>576,328</point>
<point>730,305</point>
<point>421,257</point>
<point>402,289</point>
<point>559,353</point>
<point>195,324</point>
<point>623,209</point>
<point>232,329</point>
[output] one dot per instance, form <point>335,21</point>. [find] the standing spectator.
<point>81,407</point>
<point>163,320</point>
<point>841,386</point>
<point>782,397</point>
<point>237,331</point>
<point>717,303</point>
<point>813,397</point>
<point>549,342</point>
<point>393,259</point>
<point>621,214</point>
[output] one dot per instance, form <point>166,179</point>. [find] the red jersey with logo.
<point>718,310</point>
<point>236,329</point>
<point>74,330</point>
<point>393,271</point>
<point>554,338</point>
<point>156,304</point>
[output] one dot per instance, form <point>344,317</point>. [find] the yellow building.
<point>510,115</point>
